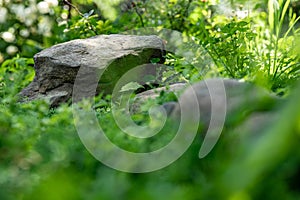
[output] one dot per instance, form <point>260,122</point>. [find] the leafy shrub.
<point>27,26</point>
<point>15,74</point>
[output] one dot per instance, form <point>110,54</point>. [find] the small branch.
<point>139,14</point>
<point>185,13</point>
<point>72,6</point>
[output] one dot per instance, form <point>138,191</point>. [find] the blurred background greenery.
<point>41,155</point>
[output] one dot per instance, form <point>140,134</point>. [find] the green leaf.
<point>131,87</point>
<point>295,69</point>
<point>154,60</point>
<point>242,23</point>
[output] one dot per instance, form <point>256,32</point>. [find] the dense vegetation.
<point>41,155</point>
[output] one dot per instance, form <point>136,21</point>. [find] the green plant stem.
<point>73,6</point>
<point>275,57</point>
<point>140,16</point>
<point>186,12</point>
<point>283,71</point>
<point>282,15</point>
<point>291,27</point>
<point>213,52</point>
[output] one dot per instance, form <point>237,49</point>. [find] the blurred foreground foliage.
<point>41,155</point>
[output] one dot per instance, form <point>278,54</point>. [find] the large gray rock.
<point>241,99</point>
<point>107,55</point>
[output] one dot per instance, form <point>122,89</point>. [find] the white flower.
<point>8,37</point>
<point>4,1</point>
<point>3,14</point>
<point>30,11</point>
<point>29,22</point>
<point>43,7</point>
<point>19,10</point>
<point>64,16</point>
<point>1,58</point>
<point>44,26</point>
<point>241,14</point>
<point>52,2</point>
<point>24,33</point>
<point>30,15</point>
<point>11,50</point>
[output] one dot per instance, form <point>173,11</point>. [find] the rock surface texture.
<point>110,56</point>
<point>153,93</point>
<point>223,96</point>
<point>176,88</point>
